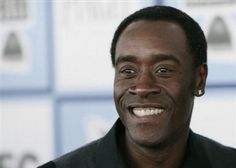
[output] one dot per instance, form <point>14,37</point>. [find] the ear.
<point>201,76</point>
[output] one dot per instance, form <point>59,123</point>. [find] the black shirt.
<point>106,152</point>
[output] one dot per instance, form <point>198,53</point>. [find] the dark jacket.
<point>105,153</point>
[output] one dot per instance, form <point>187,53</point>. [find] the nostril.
<point>144,91</point>
<point>132,90</point>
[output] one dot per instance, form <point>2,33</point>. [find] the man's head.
<point>159,54</point>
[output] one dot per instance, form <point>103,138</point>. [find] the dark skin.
<point>155,70</point>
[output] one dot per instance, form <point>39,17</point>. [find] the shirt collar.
<point>109,150</point>
<point>195,155</point>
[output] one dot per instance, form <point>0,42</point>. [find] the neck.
<point>169,154</point>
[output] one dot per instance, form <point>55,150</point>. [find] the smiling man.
<point>155,81</point>
<point>160,60</point>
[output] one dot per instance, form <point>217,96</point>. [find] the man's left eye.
<point>164,70</point>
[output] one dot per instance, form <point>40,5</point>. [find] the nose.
<point>145,86</point>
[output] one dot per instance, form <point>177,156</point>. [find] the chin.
<point>146,140</point>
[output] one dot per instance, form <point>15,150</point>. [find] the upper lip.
<point>146,105</point>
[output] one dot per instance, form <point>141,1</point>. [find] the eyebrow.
<point>155,57</point>
<point>125,58</point>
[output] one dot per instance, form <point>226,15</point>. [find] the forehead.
<point>143,38</point>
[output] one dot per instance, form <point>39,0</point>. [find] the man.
<point>160,59</point>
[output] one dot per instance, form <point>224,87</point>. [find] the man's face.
<point>154,81</point>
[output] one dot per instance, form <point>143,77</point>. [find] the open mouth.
<point>146,111</point>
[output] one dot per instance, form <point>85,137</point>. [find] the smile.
<point>141,112</point>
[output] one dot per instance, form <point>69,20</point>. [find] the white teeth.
<point>140,112</point>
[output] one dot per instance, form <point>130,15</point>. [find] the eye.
<point>164,71</point>
<point>127,72</point>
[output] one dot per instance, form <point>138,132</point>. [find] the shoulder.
<point>216,153</point>
<point>81,157</point>
<point>95,154</point>
<point>50,164</point>
<point>213,146</point>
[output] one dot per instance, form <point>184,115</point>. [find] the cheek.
<point>182,96</point>
<point>174,89</point>
<point>119,90</point>
<point>120,99</point>
<point>180,91</point>
<point>183,86</point>
<point>121,86</point>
